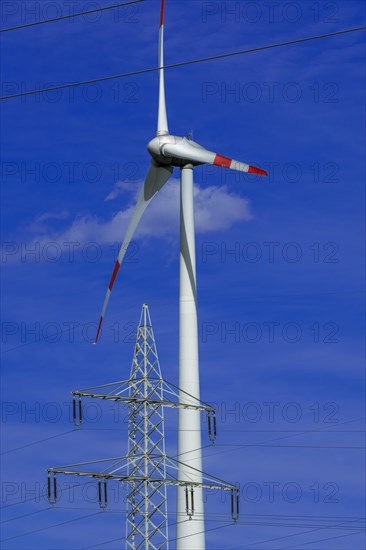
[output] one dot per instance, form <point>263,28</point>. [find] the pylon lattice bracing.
<point>146,514</point>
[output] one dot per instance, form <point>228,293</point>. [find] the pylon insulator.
<point>235,504</point>
<point>77,410</point>
<point>211,422</point>
<point>103,494</point>
<point>52,488</point>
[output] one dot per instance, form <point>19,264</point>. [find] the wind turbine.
<point>168,151</point>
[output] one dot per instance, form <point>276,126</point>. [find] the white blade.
<point>155,179</point>
<point>193,152</point>
<point>162,118</point>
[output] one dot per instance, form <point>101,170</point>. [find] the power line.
<point>248,519</point>
<point>68,432</point>
<point>38,497</point>
<point>296,516</point>
<point>319,540</point>
<point>25,515</point>
<point>290,446</point>
<point>104,542</point>
<point>288,537</point>
<point>337,526</point>
<point>70,16</point>
<point>23,501</point>
<point>249,431</point>
<point>182,63</point>
<point>207,530</point>
<point>255,517</point>
<point>319,430</point>
<point>51,526</point>
<point>118,539</point>
<point>199,532</point>
<point>357,528</point>
<point>39,341</point>
<point>38,441</point>
<point>293,433</point>
<point>296,434</point>
<point>240,523</point>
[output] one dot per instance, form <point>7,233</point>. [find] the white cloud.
<point>39,226</point>
<point>216,209</point>
<point>119,188</point>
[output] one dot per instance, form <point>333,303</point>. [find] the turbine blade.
<point>157,177</point>
<point>162,118</point>
<point>193,152</point>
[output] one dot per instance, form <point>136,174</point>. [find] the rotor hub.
<point>156,149</point>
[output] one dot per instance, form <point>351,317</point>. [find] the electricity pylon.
<point>146,470</point>
<point>147,513</point>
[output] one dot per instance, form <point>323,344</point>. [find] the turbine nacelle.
<point>162,149</point>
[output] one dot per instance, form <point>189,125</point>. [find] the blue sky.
<point>280,261</point>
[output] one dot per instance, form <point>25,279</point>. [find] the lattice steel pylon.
<point>146,470</point>
<point>147,513</point>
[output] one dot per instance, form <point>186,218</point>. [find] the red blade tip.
<point>98,331</point>
<point>162,13</point>
<point>259,171</point>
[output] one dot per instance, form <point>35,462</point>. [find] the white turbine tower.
<point>168,151</point>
